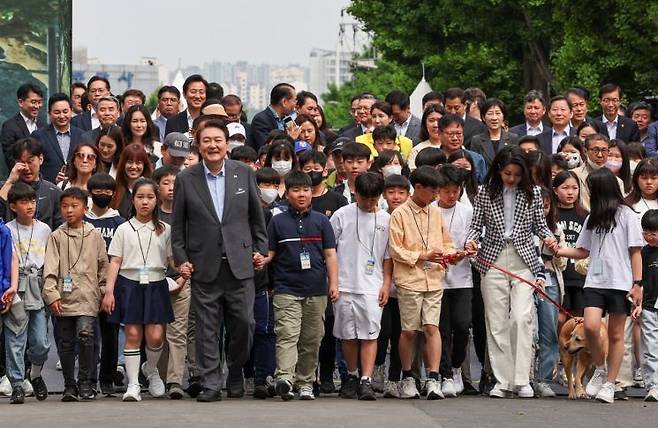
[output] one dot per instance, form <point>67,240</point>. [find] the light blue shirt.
<point>64,141</point>
<point>509,202</point>
<point>217,188</point>
<point>161,123</point>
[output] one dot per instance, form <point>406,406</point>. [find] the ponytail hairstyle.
<point>155,217</point>
<point>605,200</point>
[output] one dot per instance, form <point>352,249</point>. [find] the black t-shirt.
<point>571,224</point>
<point>328,203</point>
<point>649,277</point>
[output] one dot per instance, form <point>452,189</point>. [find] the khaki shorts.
<point>419,308</point>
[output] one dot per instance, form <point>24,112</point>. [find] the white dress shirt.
<point>95,123</point>
<point>509,202</point>
<point>534,130</point>
<point>402,129</point>
<point>31,124</point>
<point>612,126</point>
<point>557,137</point>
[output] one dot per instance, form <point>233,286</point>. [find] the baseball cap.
<point>302,146</point>
<point>177,144</point>
<point>235,128</point>
<point>338,144</point>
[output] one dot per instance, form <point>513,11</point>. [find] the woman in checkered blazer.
<point>509,208</point>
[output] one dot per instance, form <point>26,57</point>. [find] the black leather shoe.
<point>40,389</point>
<point>469,389</point>
<point>208,396</point>
<point>85,391</point>
<point>70,394</point>
<point>235,391</point>
<point>17,395</point>
<point>194,387</point>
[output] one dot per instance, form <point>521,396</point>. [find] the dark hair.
<point>132,152</point>
<point>539,165</point>
<point>508,155</point>
<point>434,108</point>
<point>608,88</point>
<point>192,79</point>
<point>169,88</point>
<point>431,96</point>
<point>115,134</point>
<point>71,170</point>
<point>75,193</point>
<point>311,156</point>
<point>356,151</point>
<point>575,142</point>
<point>534,95</point>
<point>281,91</point>
<point>164,171</point>
<point>430,156</point>
<point>596,137</point>
<point>396,180</point>
<point>560,98</point>
<point>648,166</point>
<point>559,179</point>
<point>244,154</point>
<point>530,139</point>
<point>636,150</point>
<point>212,123</point>
<point>85,101</point>
<point>474,97</point>
<point>279,148</point>
<point>303,118</point>
<point>267,175</point>
<point>214,90</point>
<point>650,220</point>
<point>386,132</point>
<point>470,178</point>
<point>134,93</point>
<point>551,218</point>
<point>640,105</point>
<point>425,176</point>
<point>398,98</point>
<point>369,185</point>
<point>149,135</point>
<point>452,93</point>
<point>491,103</point>
<point>59,96</point>
<point>231,99</point>
<point>302,95</point>
<point>586,124</point>
<point>625,171</point>
<point>605,200</point>
<point>155,214</point>
<point>297,178</point>
<point>102,79</point>
<point>101,181</point>
<point>382,106</point>
<point>385,158</point>
<point>559,161</point>
<point>21,192</point>
<point>78,85</point>
<point>450,175</point>
<point>579,92</point>
<point>29,144</point>
<point>450,119</point>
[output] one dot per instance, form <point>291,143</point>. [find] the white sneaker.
<point>58,365</point>
<point>408,388</point>
<point>448,388</point>
<point>5,387</point>
<point>306,393</point>
<point>544,390</point>
<point>378,378</point>
<point>652,395</point>
<point>133,393</point>
<point>638,381</point>
<point>525,391</point>
<point>249,386</point>
<point>497,391</point>
<point>458,380</point>
<point>391,389</point>
<point>156,385</point>
<point>606,393</point>
<point>596,382</point>
<point>434,390</point>
<point>27,388</point>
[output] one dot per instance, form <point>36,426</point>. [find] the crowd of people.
<point>190,247</point>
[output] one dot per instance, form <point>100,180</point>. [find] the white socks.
<point>132,365</point>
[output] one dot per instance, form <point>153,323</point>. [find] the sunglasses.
<point>85,156</point>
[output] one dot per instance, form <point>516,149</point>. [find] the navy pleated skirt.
<point>141,304</point>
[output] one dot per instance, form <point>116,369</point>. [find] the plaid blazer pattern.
<point>529,220</point>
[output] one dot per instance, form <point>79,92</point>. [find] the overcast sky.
<point>198,31</point>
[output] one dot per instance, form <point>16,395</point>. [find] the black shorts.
<point>611,301</point>
<point>573,299</point>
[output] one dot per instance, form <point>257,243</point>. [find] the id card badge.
<point>144,276</point>
<point>370,266</point>
<point>68,284</point>
<point>596,267</point>
<point>305,260</point>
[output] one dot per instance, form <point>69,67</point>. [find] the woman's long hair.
<point>648,166</point>
<point>605,200</point>
<point>470,177</point>
<point>132,152</point>
<point>149,136</point>
<point>116,135</point>
<point>508,155</point>
<point>434,108</point>
<point>625,171</point>
<point>558,180</point>
<point>72,171</point>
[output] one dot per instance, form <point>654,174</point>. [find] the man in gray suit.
<point>406,124</point>
<point>219,238</point>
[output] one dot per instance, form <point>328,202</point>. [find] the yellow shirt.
<point>404,145</point>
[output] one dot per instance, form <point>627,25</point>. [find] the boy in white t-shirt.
<point>365,270</point>
<point>457,285</point>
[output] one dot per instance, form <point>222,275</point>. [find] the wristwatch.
<point>637,282</point>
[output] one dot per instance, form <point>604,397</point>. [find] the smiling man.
<point>560,114</point>
<point>107,110</point>
<point>194,91</point>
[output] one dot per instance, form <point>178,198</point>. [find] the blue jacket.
<point>5,257</point>
<point>480,165</point>
<point>651,140</point>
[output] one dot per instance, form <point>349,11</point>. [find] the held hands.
<point>471,248</point>
<point>635,296</point>
<point>56,307</point>
<point>552,244</point>
<point>541,284</point>
<point>258,260</point>
<point>107,305</point>
<point>186,269</point>
<point>334,294</point>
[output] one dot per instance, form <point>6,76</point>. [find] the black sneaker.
<point>620,394</point>
<point>260,392</point>
<point>365,391</point>
<point>107,389</point>
<point>327,386</point>
<point>17,395</point>
<point>284,390</point>
<point>469,389</point>
<point>349,388</point>
<point>174,391</point>
<point>194,387</point>
<point>316,389</point>
<point>85,391</point>
<point>40,389</point>
<point>70,394</point>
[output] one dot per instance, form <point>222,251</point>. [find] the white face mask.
<point>234,143</point>
<point>593,165</point>
<point>268,195</point>
<point>282,167</point>
<point>389,170</point>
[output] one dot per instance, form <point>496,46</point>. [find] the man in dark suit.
<point>233,108</point>
<point>578,97</point>
<point>363,117</point>
<point>455,103</point>
<point>282,104</point>
<point>97,87</point>
<point>534,108</point>
<point>26,121</point>
<point>194,91</point>
<point>219,238</point>
<point>59,139</point>
<point>108,114</point>
<point>613,125</point>
<point>354,105</point>
<point>559,113</point>
<point>406,124</point>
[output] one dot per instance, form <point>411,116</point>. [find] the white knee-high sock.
<point>153,356</point>
<point>132,365</point>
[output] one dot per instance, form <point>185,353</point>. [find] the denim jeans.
<point>36,337</point>
<point>547,315</point>
<point>649,324</point>
<point>76,330</point>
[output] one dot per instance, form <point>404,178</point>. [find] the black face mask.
<point>316,177</point>
<point>102,201</point>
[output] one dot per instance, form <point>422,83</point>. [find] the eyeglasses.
<point>86,156</point>
<point>598,150</point>
<point>456,134</point>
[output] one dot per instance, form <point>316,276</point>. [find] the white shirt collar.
<point>606,121</point>
<point>28,120</point>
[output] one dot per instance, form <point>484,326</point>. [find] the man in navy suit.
<point>194,91</point>
<point>97,87</point>
<point>59,139</point>
<point>406,124</point>
<point>559,113</point>
<point>613,125</point>
<point>534,109</point>
<point>283,101</point>
<point>578,97</point>
<point>26,121</point>
<point>455,103</point>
